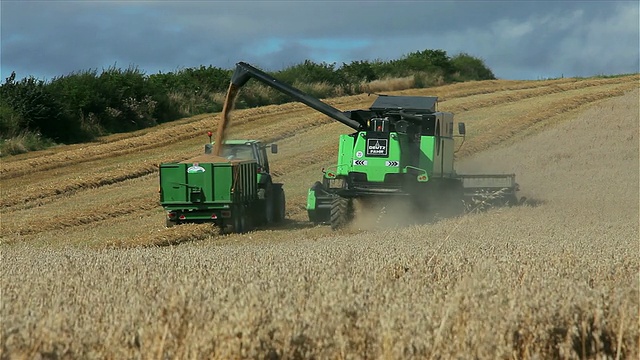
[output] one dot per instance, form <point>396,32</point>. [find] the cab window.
<point>238,152</point>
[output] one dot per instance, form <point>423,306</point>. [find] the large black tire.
<point>249,218</point>
<point>240,220</point>
<point>279,204</point>
<point>341,212</point>
<point>269,204</point>
<point>314,216</point>
<point>171,223</point>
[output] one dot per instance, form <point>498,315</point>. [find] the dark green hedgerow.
<point>82,105</point>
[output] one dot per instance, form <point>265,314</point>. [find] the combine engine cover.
<point>404,141</point>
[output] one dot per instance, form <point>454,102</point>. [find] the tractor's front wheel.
<point>341,212</point>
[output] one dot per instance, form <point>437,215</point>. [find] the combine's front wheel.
<point>341,212</point>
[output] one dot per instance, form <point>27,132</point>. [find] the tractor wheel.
<point>171,223</point>
<point>240,220</point>
<point>341,212</point>
<point>248,220</point>
<point>269,204</point>
<point>279,204</point>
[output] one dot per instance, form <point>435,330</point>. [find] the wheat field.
<point>89,271</point>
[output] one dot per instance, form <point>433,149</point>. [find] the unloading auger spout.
<point>244,72</point>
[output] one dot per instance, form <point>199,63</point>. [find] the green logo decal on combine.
<point>196,168</point>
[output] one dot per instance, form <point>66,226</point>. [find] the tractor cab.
<point>239,152</point>
<point>246,150</point>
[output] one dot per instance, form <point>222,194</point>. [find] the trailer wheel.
<point>341,212</point>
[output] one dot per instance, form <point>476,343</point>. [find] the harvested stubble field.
<point>82,277</point>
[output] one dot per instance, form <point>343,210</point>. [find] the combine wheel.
<point>341,212</point>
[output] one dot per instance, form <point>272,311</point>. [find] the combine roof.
<point>238,142</point>
<point>408,103</point>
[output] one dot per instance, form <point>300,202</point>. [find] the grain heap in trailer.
<point>400,147</point>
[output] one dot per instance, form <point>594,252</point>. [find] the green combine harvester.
<point>234,190</point>
<point>401,147</point>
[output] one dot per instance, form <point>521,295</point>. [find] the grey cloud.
<point>524,39</point>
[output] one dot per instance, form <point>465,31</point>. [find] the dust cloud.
<point>396,212</point>
<point>579,166</point>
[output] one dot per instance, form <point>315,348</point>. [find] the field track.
<point>84,244</point>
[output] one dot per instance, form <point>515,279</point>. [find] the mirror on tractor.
<point>274,148</point>
<point>461,129</point>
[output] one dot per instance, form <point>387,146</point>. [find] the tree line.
<point>83,105</point>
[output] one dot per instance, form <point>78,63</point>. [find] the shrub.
<point>24,142</point>
<point>468,68</point>
<point>40,108</point>
<point>357,71</point>
<point>310,72</point>
<point>10,121</point>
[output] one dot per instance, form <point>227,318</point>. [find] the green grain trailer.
<point>227,193</point>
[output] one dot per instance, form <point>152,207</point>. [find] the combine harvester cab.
<point>402,147</point>
<point>233,191</point>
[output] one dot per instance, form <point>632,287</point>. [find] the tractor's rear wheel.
<point>248,220</point>
<point>269,204</point>
<point>341,212</point>
<point>240,220</point>
<point>171,223</point>
<point>279,204</point>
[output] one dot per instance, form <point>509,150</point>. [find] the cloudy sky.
<point>516,39</point>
